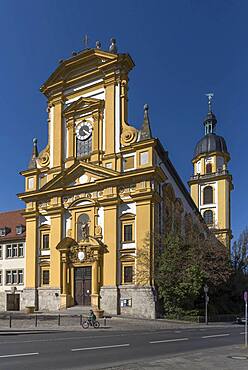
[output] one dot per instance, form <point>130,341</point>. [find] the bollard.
<point>58,320</point>
<point>10,320</point>
<point>80,320</point>
<point>36,321</point>
<point>105,321</point>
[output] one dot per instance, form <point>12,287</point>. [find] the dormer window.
<point>19,229</point>
<point>3,231</point>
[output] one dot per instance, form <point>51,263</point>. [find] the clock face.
<point>84,130</point>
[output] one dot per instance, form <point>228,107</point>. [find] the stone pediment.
<point>79,174</point>
<point>82,64</point>
<point>83,104</point>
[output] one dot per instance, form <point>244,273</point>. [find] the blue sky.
<point>182,49</point>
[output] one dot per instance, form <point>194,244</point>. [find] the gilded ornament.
<point>98,231</point>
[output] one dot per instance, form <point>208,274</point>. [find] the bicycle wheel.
<point>96,324</point>
<point>85,324</point>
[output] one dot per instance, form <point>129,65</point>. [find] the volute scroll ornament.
<point>44,157</point>
<point>129,135</point>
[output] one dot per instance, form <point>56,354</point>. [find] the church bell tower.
<point>211,183</point>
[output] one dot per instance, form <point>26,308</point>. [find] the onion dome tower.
<point>211,183</point>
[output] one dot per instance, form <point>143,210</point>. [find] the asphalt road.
<point>97,349</point>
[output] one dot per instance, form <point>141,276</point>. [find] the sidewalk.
<point>222,358</point>
<point>72,323</point>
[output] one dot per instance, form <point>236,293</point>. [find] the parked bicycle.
<point>87,323</point>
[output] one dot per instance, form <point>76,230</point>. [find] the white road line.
<point>168,340</point>
<point>20,354</point>
<point>242,333</point>
<point>102,347</point>
<point>214,336</point>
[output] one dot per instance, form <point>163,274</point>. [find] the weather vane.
<point>85,41</point>
<point>210,97</point>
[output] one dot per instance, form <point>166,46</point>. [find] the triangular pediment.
<point>83,104</point>
<point>80,173</point>
<point>83,63</point>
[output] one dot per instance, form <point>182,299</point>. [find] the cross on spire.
<point>210,97</point>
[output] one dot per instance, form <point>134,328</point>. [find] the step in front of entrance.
<point>77,310</point>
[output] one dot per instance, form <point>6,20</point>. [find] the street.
<point>96,349</point>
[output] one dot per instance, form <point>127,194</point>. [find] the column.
<point>64,285</point>
<point>95,293</point>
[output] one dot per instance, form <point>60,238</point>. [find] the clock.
<point>84,130</point>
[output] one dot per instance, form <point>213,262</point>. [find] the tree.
<point>240,252</point>
<point>185,264</point>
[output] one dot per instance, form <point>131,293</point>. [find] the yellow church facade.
<point>97,194</point>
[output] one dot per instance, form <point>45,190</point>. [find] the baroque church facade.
<point>101,189</point>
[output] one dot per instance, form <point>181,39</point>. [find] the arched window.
<point>209,168</point>
<point>208,195</point>
<point>83,226</point>
<point>208,217</point>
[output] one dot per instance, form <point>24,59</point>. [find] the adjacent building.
<point>12,259</point>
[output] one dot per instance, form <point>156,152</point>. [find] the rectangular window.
<point>30,183</point>
<point>14,250</point>
<point>128,233</point>
<point>8,251</point>
<point>8,277</point>
<point>1,251</point>
<point>45,241</point>
<point>20,229</point>
<point>45,277</point>
<point>108,165</point>
<point>20,250</point>
<point>20,276</point>
<point>128,274</point>
<point>1,277</point>
<point>2,231</point>
<point>14,277</point>
<point>143,158</point>
<point>128,163</point>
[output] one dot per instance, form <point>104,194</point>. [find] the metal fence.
<point>14,320</point>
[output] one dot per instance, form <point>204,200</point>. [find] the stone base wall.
<point>2,301</point>
<point>109,300</point>
<point>141,300</point>
<point>48,299</point>
<point>28,298</point>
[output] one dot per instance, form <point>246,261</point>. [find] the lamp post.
<point>206,303</point>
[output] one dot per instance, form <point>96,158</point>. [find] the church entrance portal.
<point>82,285</point>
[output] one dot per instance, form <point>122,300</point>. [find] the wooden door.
<point>82,285</point>
<point>13,302</point>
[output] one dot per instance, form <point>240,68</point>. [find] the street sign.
<point>245,296</point>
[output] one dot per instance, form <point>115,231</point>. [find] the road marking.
<point>243,332</point>
<point>168,340</point>
<point>214,336</point>
<point>102,347</point>
<point>20,354</point>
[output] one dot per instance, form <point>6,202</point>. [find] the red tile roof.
<point>10,220</point>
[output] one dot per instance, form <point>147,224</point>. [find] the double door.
<point>82,285</point>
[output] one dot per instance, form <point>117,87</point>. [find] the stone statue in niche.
<point>83,227</point>
<point>85,231</point>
